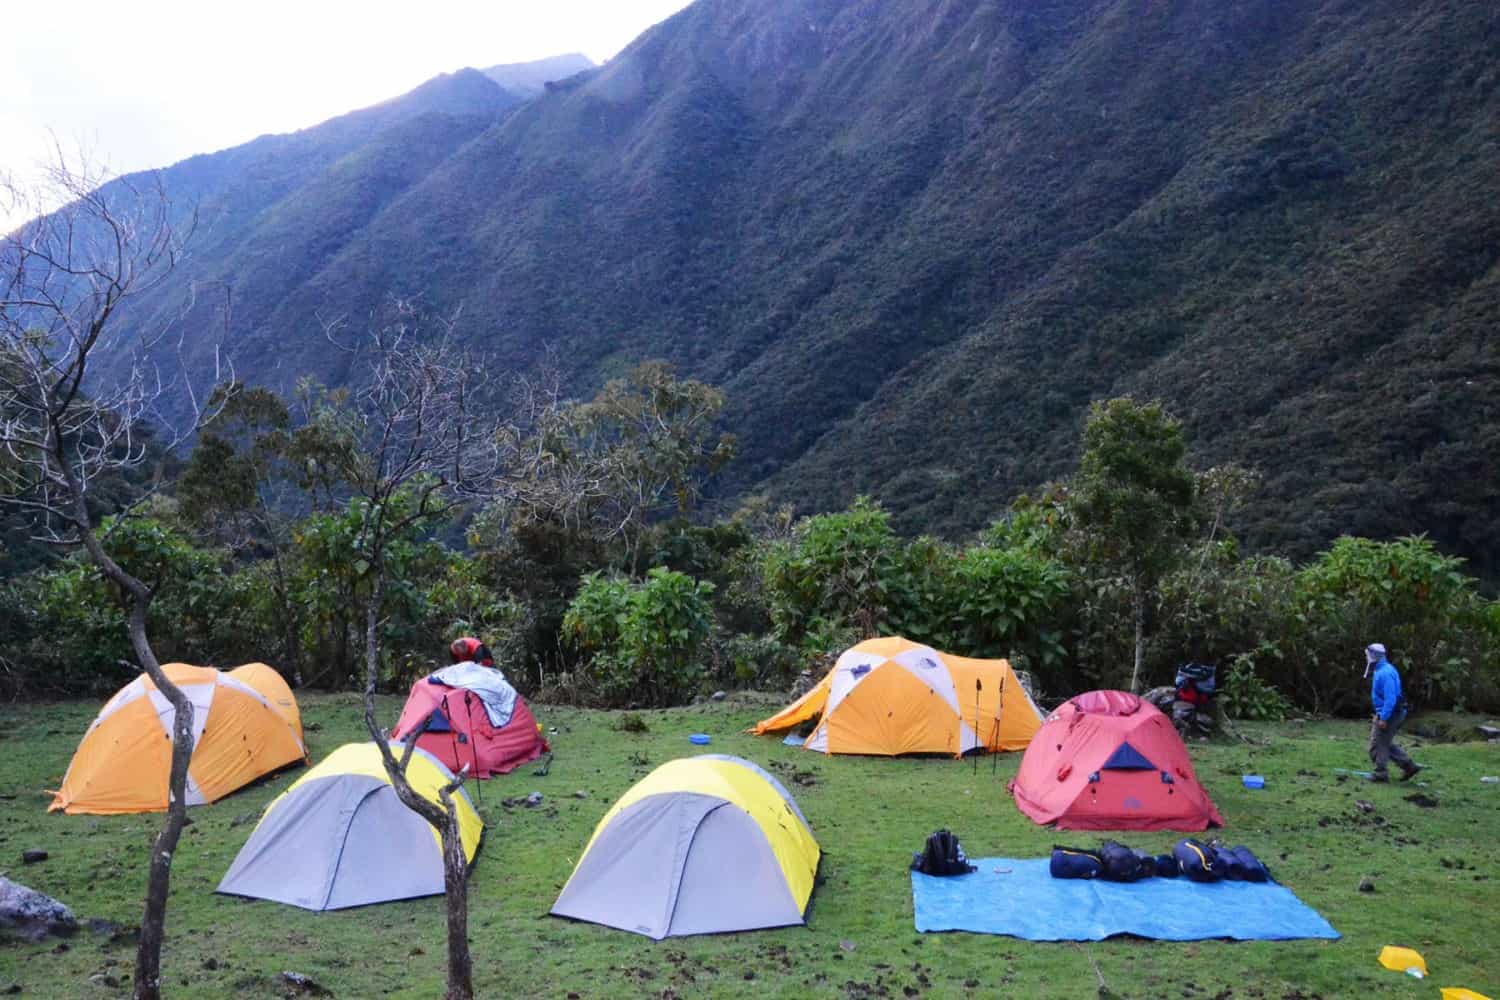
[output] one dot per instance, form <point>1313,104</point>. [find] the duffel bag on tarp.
<point>1075,862</point>
<point>1228,862</point>
<point>1254,869</point>
<point>1197,860</point>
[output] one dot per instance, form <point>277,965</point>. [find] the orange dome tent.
<point>892,696</point>
<point>245,724</point>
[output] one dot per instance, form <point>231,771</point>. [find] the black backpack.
<point>941,855</point>
<point>1121,864</point>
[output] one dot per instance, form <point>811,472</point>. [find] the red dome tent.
<point>1108,760</point>
<point>477,719</point>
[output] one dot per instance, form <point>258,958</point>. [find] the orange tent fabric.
<point>891,696</point>
<point>245,724</point>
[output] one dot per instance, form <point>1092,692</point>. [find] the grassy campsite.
<point>1429,850</point>
<point>613,650</point>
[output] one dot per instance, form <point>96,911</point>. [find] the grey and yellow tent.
<point>340,837</point>
<point>701,845</point>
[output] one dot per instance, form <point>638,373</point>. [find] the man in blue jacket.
<point>1390,712</point>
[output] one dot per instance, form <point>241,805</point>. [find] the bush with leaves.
<point>1408,596</point>
<point>1246,696</point>
<point>331,579</point>
<point>643,642</point>
<point>832,574</point>
<point>76,638</point>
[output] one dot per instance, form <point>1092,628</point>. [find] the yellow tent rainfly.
<point>341,837</point>
<point>245,724</point>
<point>701,845</point>
<point>891,696</point>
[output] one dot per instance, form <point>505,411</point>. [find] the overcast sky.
<point>149,83</point>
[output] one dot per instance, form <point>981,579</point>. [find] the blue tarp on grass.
<point>1019,898</point>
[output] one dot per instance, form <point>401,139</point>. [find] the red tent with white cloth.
<point>476,719</point>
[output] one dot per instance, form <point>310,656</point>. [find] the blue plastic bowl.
<point>699,738</point>
<point>1253,781</point>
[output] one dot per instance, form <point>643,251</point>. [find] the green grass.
<point>1434,871</point>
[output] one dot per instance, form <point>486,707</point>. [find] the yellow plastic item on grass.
<point>1459,993</point>
<point>1403,960</point>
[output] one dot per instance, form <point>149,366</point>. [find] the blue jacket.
<point>1385,689</point>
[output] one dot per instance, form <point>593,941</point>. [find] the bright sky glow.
<point>140,85</point>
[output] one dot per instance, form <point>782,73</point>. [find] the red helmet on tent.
<point>468,715</point>
<point>471,650</point>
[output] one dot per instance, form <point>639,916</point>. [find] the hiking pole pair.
<point>995,733</point>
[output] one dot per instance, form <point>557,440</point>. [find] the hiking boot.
<point>1379,779</point>
<point>1413,772</point>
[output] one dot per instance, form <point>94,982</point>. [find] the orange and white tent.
<point>245,724</point>
<point>892,696</point>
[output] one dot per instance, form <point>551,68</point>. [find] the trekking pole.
<point>473,744</point>
<point>995,735</point>
<point>977,686</point>
<point>452,731</point>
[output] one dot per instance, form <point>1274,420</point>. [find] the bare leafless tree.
<point>64,278</point>
<point>412,442</point>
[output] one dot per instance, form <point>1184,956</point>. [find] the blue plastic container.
<point>699,738</point>
<point>1253,781</point>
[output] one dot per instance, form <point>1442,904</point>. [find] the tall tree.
<point>64,426</point>
<point>1135,500</point>
<point>411,443</point>
<point>644,445</point>
<point>235,489</point>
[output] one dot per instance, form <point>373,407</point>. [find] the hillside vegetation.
<point>913,241</point>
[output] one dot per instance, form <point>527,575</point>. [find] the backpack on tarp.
<point>1075,862</point>
<point>1121,864</point>
<point>1166,866</point>
<point>1197,860</point>
<point>941,855</point>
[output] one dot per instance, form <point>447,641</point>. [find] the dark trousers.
<point>1383,748</point>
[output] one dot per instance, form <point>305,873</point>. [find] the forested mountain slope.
<point>912,241</point>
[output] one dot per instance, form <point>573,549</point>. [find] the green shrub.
<point>642,642</point>
<point>1405,594</point>
<point>833,570</point>
<point>1245,696</point>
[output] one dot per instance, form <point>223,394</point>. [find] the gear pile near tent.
<point>701,845</point>
<point>341,837</point>
<point>474,717</point>
<point>1109,760</point>
<point>245,724</point>
<point>892,696</point>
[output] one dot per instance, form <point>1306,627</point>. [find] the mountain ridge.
<point>912,243</point>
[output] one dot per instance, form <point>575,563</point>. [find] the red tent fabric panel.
<point>1072,772</point>
<point>470,739</point>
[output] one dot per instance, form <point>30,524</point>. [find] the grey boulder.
<point>32,914</point>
